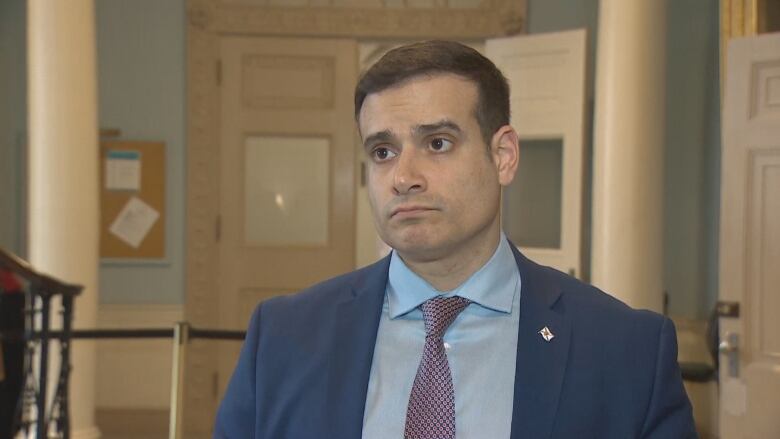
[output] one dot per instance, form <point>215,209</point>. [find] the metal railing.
<point>37,311</point>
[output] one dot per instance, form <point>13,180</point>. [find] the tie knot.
<point>440,312</point>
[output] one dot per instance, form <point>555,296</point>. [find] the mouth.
<point>407,211</point>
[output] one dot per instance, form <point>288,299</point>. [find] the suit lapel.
<point>354,337</point>
<point>541,364</point>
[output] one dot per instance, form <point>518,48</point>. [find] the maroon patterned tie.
<point>431,410</point>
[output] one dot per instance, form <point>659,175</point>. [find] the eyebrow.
<point>417,130</point>
<point>431,128</point>
<point>378,137</point>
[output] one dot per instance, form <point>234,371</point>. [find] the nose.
<point>407,178</point>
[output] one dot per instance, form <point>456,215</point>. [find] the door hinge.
<point>219,72</point>
<point>218,228</point>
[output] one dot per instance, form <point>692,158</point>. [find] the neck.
<point>457,265</point>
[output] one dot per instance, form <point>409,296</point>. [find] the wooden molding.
<point>201,302</point>
<point>490,18</point>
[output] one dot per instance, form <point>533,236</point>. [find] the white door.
<point>750,241</point>
<point>542,209</point>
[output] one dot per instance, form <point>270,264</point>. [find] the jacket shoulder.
<point>585,302</point>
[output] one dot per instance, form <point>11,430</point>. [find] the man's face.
<point>433,184</point>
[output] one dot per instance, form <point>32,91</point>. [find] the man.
<point>455,333</point>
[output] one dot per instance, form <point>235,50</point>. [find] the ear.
<point>505,149</point>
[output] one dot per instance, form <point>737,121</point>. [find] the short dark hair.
<point>431,57</point>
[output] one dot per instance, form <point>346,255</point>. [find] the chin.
<point>419,247</point>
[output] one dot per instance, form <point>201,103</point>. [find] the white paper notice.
<point>123,170</point>
<point>134,221</point>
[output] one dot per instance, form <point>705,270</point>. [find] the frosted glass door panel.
<point>532,203</point>
<point>286,182</point>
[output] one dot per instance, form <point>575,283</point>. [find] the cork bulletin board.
<point>132,200</point>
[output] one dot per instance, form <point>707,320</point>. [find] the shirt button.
<point>447,346</point>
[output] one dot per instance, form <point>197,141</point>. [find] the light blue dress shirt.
<point>481,346</point>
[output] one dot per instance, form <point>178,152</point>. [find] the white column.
<point>63,173</point>
<point>628,184</point>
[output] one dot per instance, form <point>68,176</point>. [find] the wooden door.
<point>750,241</point>
<point>287,180</point>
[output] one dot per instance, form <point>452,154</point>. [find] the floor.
<point>132,424</point>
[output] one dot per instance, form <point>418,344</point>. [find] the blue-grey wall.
<point>141,80</point>
<point>13,122</point>
<point>692,156</point>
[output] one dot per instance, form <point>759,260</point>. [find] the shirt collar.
<point>493,286</point>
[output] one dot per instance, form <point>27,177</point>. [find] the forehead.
<point>420,100</point>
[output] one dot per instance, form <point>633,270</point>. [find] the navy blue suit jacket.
<point>610,371</point>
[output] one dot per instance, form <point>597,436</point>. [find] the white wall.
<point>135,374</point>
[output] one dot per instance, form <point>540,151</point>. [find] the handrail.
<point>48,284</point>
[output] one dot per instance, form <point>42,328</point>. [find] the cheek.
<point>479,191</point>
<point>373,189</point>
<point>372,201</point>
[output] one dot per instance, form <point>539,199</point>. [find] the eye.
<point>381,154</point>
<point>440,144</point>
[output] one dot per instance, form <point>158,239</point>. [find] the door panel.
<point>287,177</point>
<point>750,240</point>
<point>546,74</point>
<point>283,208</point>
